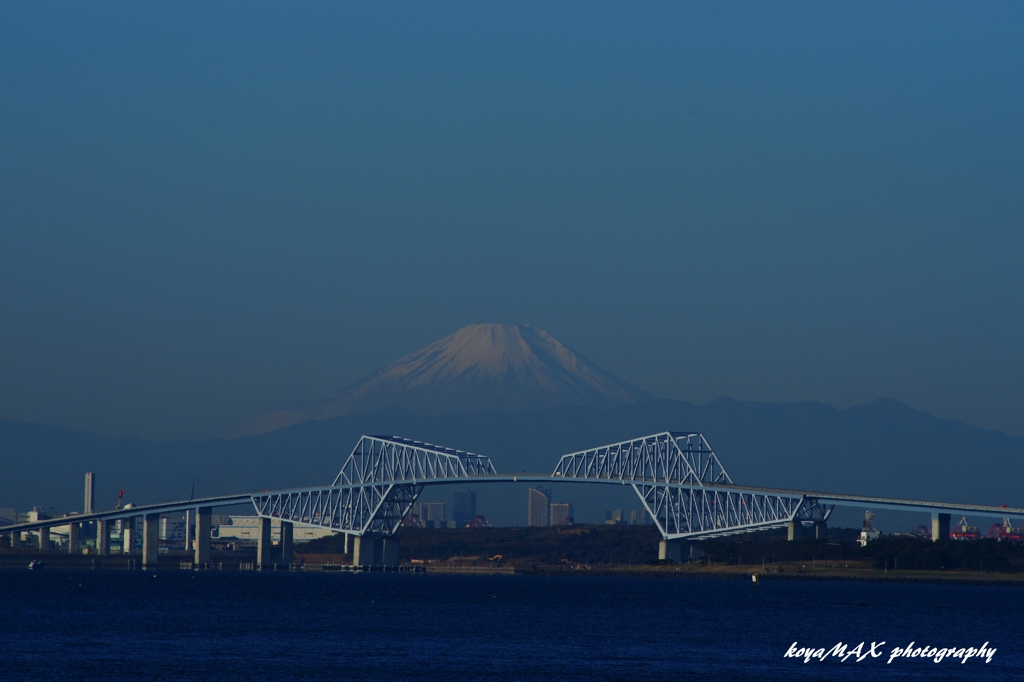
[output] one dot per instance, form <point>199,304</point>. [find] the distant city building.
<point>562,514</point>
<point>613,517</point>
<point>246,530</point>
<point>430,514</point>
<point>639,517</point>
<point>172,531</point>
<point>90,494</point>
<point>31,517</point>
<point>538,504</point>
<point>869,532</point>
<point>464,509</point>
<point>7,516</point>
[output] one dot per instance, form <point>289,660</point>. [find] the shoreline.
<point>330,563</point>
<point>744,572</point>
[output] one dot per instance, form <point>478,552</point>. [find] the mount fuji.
<point>505,368</point>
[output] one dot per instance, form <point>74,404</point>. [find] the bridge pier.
<point>940,526</point>
<point>389,552</point>
<point>367,551</point>
<point>795,530</point>
<point>44,539</point>
<point>74,530</point>
<point>263,544</point>
<point>150,541</point>
<point>670,551</point>
<point>204,526</point>
<point>820,530</point>
<point>287,546</point>
<point>15,540</point>
<point>103,537</point>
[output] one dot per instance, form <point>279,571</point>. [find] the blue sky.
<point>208,210</point>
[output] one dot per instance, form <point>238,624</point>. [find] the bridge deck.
<point>827,498</point>
<point>115,514</point>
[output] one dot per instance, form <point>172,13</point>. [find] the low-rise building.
<point>245,530</point>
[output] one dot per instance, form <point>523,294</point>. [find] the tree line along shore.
<point>613,548</point>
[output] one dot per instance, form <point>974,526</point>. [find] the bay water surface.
<point>376,626</point>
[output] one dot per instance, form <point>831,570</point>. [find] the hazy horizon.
<point>209,211</point>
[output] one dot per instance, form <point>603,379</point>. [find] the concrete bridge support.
<point>367,551</point>
<point>15,540</point>
<point>188,530</point>
<point>44,539</point>
<point>127,536</point>
<point>940,526</point>
<point>204,526</point>
<point>287,544</point>
<point>150,541</point>
<point>74,530</point>
<point>389,552</point>
<point>263,544</point>
<point>103,537</point>
<point>795,530</point>
<point>820,530</point>
<point>670,551</point>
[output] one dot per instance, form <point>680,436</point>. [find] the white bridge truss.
<point>701,512</point>
<point>677,476</point>
<point>664,457</point>
<point>376,487</point>
<point>682,485</point>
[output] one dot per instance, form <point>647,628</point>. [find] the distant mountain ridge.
<point>881,448</point>
<point>507,368</point>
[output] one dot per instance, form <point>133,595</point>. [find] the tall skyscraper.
<point>90,495</point>
<point>538,502</point>
<point>464,509</point>
<point>562,514</point>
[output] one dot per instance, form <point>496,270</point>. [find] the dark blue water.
<point>295,626</point>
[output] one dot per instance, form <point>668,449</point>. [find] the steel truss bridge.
<point>676,475</point>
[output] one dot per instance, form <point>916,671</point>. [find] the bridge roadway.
<point>247,498</point>
<point>841,500</point>
<point>940,511</point>
<point>679,479</point>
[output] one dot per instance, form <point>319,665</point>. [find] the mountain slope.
<point>479,367</point>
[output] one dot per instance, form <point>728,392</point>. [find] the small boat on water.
<point>35,565</point>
